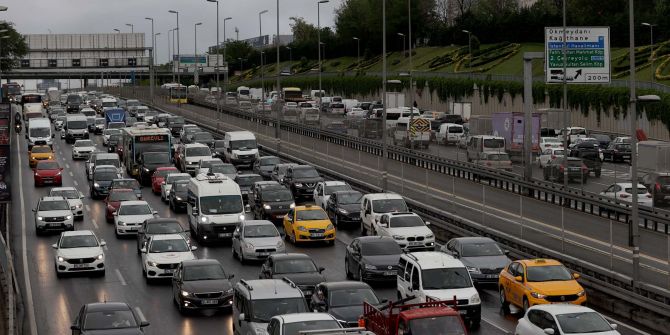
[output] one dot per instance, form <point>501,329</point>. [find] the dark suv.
<point>301,180</point>
<point>150,161</point>
<point>270,202</point>
<point>617,152</point>
<point>555,169</point>
<point>590,154</point>
<point>658,184</point>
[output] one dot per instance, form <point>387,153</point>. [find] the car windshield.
<point>78,241</point>
<point>114,162</point>
<point>243,144</point>
<point>445,278</point>
<point>221,204</point>
<point>180,187</point>
<point>174,245</point>
<point>334,188</point>
<point>122,196</point>
<point>481,249</point>
<point>68,194</point>
<point>311,214</point>
<point>156,157</point>
<point>260,231</point>
<point>84,143</point>
<point>548,273</point>
<point>269,161</point>
<point>406,221</point>
<point>277,195</point>
<point>112,131</point>
<point>114,138</point>
<point>347,198</point>
<point>40,132</point>
<point>223,168</point>
<point>582,323</point>
<point>135,210</point>
<point>389,205</point>
<point>203,272</point>
<point>105,175</point>
<point>171,179</point>
<point>126,183</point>
<point>294,266</point>
<point>295,328</point>
<point>59,205</point>
<point>443,325</point>
<point>198,151</point>
<point>305,173</point>
<point>352,297</point>
<point>40,150</point>
<point>164,228</point>
<point>247,180</point>
<point>578,131</point>
<point>77,124</point>
<point>163,173</point>
<point>203,137</point>
<point>109,320</point>
<point>380,247</point>
<point>172,120</point>
<point>494,143</point>
<point>264,309</point>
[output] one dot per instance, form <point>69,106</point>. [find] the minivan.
<point>484,143</point>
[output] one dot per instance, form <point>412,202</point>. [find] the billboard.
<point>587,53</point>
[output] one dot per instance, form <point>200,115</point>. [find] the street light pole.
<point>2,38</point>
<point>403,43</point>
<point>218,64</point>
<point>132,28</point>
<point>651,32</point>
<point>411,84</point>
<point>170,36</point>
<point>358,52</point>
<point>155,46</point>
<point>178,50</point>
<point>385,145</point>
<point>153,38</point>
<point>260,38</point>
<point>318,22</point>
<point>469,47</point>
<point>632,112</point>
<point>225,63</point>
<point>195,52</point>
<point>278,103</point>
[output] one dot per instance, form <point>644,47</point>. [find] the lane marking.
<point>24,251</point>
<point>88,208</point>
<point>120,276</point>
<point>637,330</point>
<point>139,312</point>
<point>496,326</point>
<point>95,224</point>
<point>76,183</point>
<point>67,166</point>
<point>71,174</point>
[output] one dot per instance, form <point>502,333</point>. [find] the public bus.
<point>293,94</point>
<point>10,91</point>
<point>138,140</point>
<point>178,95</point>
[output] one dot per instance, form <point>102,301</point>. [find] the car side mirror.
<point>53,135</point>
<point>576,275</point>
<point>26,136</point>
<point>143,250</point>
<point>154,212</point>
<point>55,246</point>
<point>115,213</point>
<point>144,324</point>
<point>427,223</point>
<point>247,208</point>
<point>61,169</point>
<point>455,254</point>
<point>231,276</point>
<point>75,327</point>
<point>103,243</point>
<point>506,252</point>
<point>194,248</point>
<point>614,326</point>
<point>195,211</point>
<point>236,234</point>
<point>321,269</point>
<point>244,317</point>
<point>519,279</point>
<point>34,210</point>
<point>81,195</point>
<point>549,331</point>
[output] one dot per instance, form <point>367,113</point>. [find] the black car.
<point>150,161</point>
<point>343,300</point>
<point>73,103</point>
<point>299,268</point>
<point>108,318</point>
<point>202,284</point>
<point>617,152</point>
<point>219,149</point>
<point>186,137</point>
<point>178,195</point>
<point>590,154</point>
<point>270,202</point>
<point>113,141</point>
<point>481,256</point>
<point>554,170</point>
<point>603,140</point>
<point>264,165</point>
<point>128,183</point>
<point>174,123</point>
<point>372,258</point>
<point>301,180</point>
<point>246,181</point>
<point>102,180</point>
<point>658,184</point>
<point>202,137</point>
<point>344,208</point>
<point>157,226</point>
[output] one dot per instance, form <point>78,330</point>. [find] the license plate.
<point>574,169</point>
<point>210,302</point>
<point>626,156</point>
<point>390,273</point>
<point>278,216</point>
<point>414,243</point>
<point>53,224</point>
<point>491,276</point>
<point>263,254</point>
<point>170,271</point>
<point>317,234</point>
<point>225,234</point>
<point>307,292</point>
<point>462,311</point>
<point>78,266</point>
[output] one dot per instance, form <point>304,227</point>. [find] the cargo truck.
<point>427,318</point>
<point>114,115</point>
<point>510,126</point>
<point>653,156</point>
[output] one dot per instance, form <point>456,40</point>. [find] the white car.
<point>73,198</point>
<point>162,254</point>
<point>357,113</point>
<point>550,142</point>
<point>130,216</point>
<point>166,186</point>
<point>82,149</point>
<point>53,213</point>
<point>623,192</point>
<point>256,239</point>
<point>107,133</point>
<point>560,319</point>
<point>295,323</point>
<point>324,189</point>
<point>548,154</point>
<point>79,251</point>
<point>407,229</point>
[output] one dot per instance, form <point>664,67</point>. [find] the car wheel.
<point>364,231</point>
<point>58,273</point>
<point>360,274</point>
<point>292,237</point>
<point>346,268</point>
<point>399,296</point>
<point>503,299</point>
<point>233,252</point>
<point>242,259</point>
<point>526,305</point>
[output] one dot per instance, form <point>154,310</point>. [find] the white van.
<point>214,207</point>
<point>439,276</point>
<point>316,94</point>
<point>573,134</point>
<point>243,93</point>
<point>393,114</point>
<point>418,133</point>
<point>484,143</point>
<point>450,133</point>
<point>75,128</point>
<point>39,132</point>
<point>240,147</point>
<point>374,205</point>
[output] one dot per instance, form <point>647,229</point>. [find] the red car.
<point>159,177</point>
<point>48,172</point>
<point>114,199</point>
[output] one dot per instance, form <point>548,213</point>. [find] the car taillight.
<point>553,156</point>
<point>547,145</point>
<point>648,195</point>
<point>623,195</point>
<point>657,186</point>
<point>561,168</point>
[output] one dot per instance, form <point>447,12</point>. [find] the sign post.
<point>588,55</point>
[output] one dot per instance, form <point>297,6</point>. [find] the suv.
<point>189,156</point>
<point>439,276</point>
<point>149,162</point>
<point>299,268</point>
<point>270,201</point>
<point>53,213</point>
<point>658,184</point>
<point>301,180</point>
<point>591,156</point>
<point>256,302</point>
<point>256,239</point>
<point>407,229</point>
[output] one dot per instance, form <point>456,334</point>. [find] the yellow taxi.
<point>38,153</point>
<point>308,223</point>
<point>529,282</point>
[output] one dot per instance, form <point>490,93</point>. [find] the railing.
<point>7,269</point>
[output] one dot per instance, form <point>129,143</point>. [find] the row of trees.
<point>13,47</point>
<point>441,23</point>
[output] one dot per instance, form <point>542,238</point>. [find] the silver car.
<point>256,239</point>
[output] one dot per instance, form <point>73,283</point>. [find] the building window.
<point>132,61</point>
<point>25,63</point>
<point>76,62</point>
<point>104,62</point>
<point>53,63</point>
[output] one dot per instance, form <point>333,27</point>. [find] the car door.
<point>177,281</point>
<point>367,214</point>
<point>318,194</point>
<point>141,234</point>
<point>355,257</point>
<point>331,207</point>
<point>415,285</point>
<point>382,228</point>
<point>236,239</point>
<point>404,280</point>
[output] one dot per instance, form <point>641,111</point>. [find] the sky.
<point>103,16</point>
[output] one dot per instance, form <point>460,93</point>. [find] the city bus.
<point>10,91</point>
<point>138,140</point>
<point>178,95</point>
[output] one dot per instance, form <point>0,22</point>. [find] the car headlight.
<point>473,269</point>
<point>266,206</point>
<point>301,228</point>
<point>96,185</point>
<point>68,217</point>
<point>101,256</point>
<point>51,157</point>
<point>151,263</point>
<point>298,184</point>
<point>73,207</point>
<point>280,244</point>
<point>242,217</point>
<point>343,211</point>
<point>185,293</point>
<point>121,223</point>
<point>79,205</point>
<point>61,259</point>
<point>581,293</point>
<point>145,169</point>
<point>429,236</point>
<point>40,218</point>
<point>537,295</point>
<point>330,227</point>
<point>58,173</point>
<point>229,291</point>
<point>398,237</point>
<point>475,299</point>
<point>370,267</point>
<point>249,246</point>
<point>204,219</point>
<point>292,205</point>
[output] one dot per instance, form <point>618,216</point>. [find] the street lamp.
<point>195,50</point>
<point>155,44</point>
<point>651,31</point>
<point>153,40</point>
<point>469,46</point>
<point>225,48</point>
<point>131,27</point>
<point>260,39</point>
<point>403,43</point>
<point>2,38</point>
<point>318,20</point>
<point>358,52</point>
<point>170,53</point>
<point>178,50</point>
<point>290,55</point>
<point>384,181</point>
<point>218,64</point>
<point>117,30</point>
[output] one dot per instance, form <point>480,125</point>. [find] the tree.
<point>13,48</point>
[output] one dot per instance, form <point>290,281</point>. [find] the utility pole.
<point>358,52</point>
<point>225,63</point>
<point>566,112</point>
<point>278,104</point>
<point>318,22</point>
<point>385,131</point>
<point>651,32</point>
<point>195,53</point>
<point>260,38</point>
<point>411,83</point>
<point>178,50</point>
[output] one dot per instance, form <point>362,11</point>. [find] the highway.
<point>52,303</point>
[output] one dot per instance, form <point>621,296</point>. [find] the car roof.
<point>434,260</point>
<point>563,308</point>
<point>378,196</point>
<point>308,207</point>
<point>203,261</point>
<point>300,317</point>
<point>374,239</point>
<point>270,288</point>
<point>104,155</point>
<point>167,168</point>
<point>339,285</point>
<point>179,174</point>
<point>539,262</point>
<point>107,306</point>
<point>167,237</point>
<point>473,240</point>
<point>64,188</point>
<point>194,145</point>
<point>257,222</point>
<point>77,233</point>
<point>334,183</point>
<point>134,202</point>
<point>52,198</point>
<point>162,220</point>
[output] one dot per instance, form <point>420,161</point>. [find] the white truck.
<point>415,133</point>
<point>653,156</point>
<point>243,93</point>
<point>240,147</point>
<point>374,205</point>
<point>214,207</point>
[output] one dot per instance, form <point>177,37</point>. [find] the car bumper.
<point>95,266</point>
<point>306,192</point>
<point>419,246</point>
<point>535,301</point>
<point>217,232</point>
<point>275,214</point>
<point>156,272</point>
<point>100,190</point>
<point>81,155</point>
<point>78,212</point>
<point>179,204</point>
<point>57,180</point>
<point>242,161</point>
<point>306,236</point>
<point>55,226</point>
<point>380,275</point>
<point>193,302</point>
<point>262,253</point>
<point>484,278</point>
<point>471,312</point>
<point>128,229</point>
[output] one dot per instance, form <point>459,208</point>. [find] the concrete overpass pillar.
<point>85,82</point>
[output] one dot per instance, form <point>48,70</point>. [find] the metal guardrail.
<point>7,268</point>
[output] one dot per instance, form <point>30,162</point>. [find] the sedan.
<point>549,154</point>
<point>107,134</point>
<point>163,253</point>
<point>481,256</point>
<point>48,172</point>
<point>344,208</point>
<point>114,317</point>
<point>114,199</point>
<point>202,284</point>
<point>560,319</point>
<point>158,177</point>
<point>158,226</point>
<point>617,152</point>
<point>82,149</point>
<point>299,268</point>
<point>372,258</point>
<point>344,300</point>
<point>256,239</point>
<point>166,186</point>
<point>79,251</point>
<point>130,216</point>
<point>178,195</point>
<point>623,192</point>
<point>263,166</point>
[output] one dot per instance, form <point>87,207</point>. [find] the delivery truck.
<point>510,126</point>
<point>653,156</point>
